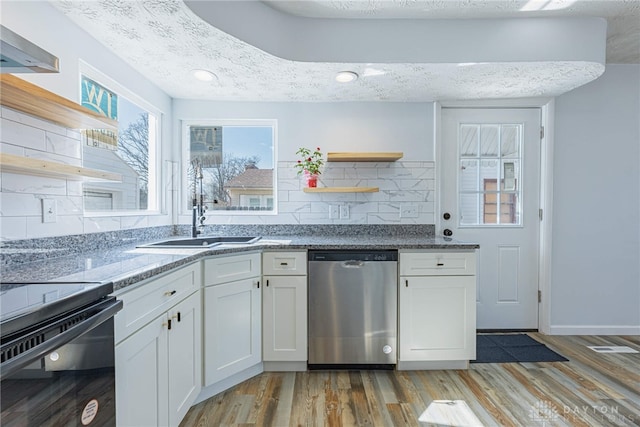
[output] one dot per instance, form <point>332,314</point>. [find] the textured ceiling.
<point>623,16</point>
<point>164,40</point>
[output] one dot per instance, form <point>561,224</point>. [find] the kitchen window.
<point>133,153</point>
<point>229,166</point>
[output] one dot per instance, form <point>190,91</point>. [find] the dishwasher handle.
<point>353,264</point>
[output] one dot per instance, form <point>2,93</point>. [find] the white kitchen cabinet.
<point>232,318</point>
<point>159,365</point>
<point>437,310</point>
<point>284,310</point>
<point>284,327</point>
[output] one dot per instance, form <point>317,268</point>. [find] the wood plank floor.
<point>592,389</point>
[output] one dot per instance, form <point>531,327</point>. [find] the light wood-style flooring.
<point>592,389</point>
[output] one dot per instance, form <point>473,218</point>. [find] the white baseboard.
<point>594,330</point>
<point>227,383</point>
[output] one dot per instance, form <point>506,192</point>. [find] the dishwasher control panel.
<point>356,255</point>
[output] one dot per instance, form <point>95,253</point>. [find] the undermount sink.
<point>202,242</point>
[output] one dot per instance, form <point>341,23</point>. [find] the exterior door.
<point>490,191</point>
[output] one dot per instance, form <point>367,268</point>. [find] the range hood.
<point>19,55</point>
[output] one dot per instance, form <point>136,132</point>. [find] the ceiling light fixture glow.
<point>346,76</point>
<point>203,75</point>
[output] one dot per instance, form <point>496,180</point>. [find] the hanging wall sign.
<point>97,98</point>
<point>104,102</point>
<point>205,143</point>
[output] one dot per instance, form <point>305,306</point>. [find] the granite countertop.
<point>127,265</point>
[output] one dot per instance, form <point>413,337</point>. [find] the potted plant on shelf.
<point>309,165</point>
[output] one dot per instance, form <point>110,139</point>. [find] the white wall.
<point>595,284</point>
<point>20,197</point>
<point>375,126</point>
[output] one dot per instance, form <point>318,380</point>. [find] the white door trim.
<point>547,108</point>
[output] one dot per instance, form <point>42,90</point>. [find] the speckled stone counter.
<point>127,265</point>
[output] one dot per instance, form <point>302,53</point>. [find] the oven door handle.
<point>109,309</point>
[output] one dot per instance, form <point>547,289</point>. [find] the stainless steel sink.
<point>202,242</point>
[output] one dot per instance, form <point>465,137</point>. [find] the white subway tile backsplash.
<point>101,224</point>
<point>26,136</point>
<point>25,119</point>
<point>13,228</point>
<point>63,145</point>
<point>32,184</point>
<point>64,225</point>
<point>11,149</point>
<point>19,204</point>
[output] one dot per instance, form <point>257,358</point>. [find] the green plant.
<point>311,161</point>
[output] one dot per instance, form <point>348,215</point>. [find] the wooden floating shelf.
<point>341,189</point>
<point>28,98</point>
<point>363,157</point>
<point>19,164</point>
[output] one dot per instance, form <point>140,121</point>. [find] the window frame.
<point>185,156</point>
<point>155,153</point>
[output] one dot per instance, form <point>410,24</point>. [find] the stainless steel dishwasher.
<point>353,309</point>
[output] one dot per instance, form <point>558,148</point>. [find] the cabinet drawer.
<point>437,263</point>
<point>231,268</point>
<point>152,298</point>
<point>284,263</point>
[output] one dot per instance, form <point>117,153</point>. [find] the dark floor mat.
<point>510,348</point>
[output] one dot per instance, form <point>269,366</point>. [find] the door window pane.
<point>468,175</point>
<point>489,140</point>
<point>510,141</point>
<point>481,200</point>
<point>469,140</point>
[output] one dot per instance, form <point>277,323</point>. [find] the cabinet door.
<point>284,329</point>
<point>184,356</point>
<point>231,328</point>
<point>437,318</point>
<point>141,377</point>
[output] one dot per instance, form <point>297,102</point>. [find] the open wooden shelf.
<point>341,189</point>
<point>19,164</point>
<point>28,98</point>
<point>363,157</point>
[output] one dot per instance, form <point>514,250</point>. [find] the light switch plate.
<point>344,212</point>
<point>49,210</point>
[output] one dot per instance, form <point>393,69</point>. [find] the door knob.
<point>446,216</point>
<point>447,232</point>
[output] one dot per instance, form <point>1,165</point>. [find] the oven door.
<point>62,373</point>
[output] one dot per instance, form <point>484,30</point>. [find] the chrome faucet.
<point>197,216</point>
<point>198,206</point>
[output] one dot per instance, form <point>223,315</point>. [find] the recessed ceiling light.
<point>203,75</point>
<point>346,76</point>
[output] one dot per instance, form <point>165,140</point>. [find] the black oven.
<point>57,354</point>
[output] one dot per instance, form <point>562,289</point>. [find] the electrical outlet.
<point>334,211</point>
<point>408,211</point>
<point>344,212</point>
<point>49,210</point>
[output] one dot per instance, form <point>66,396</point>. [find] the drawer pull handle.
<point>284,263</point>
<point>440,264</point>
<point>170,293</point>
